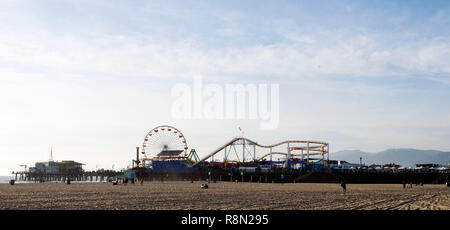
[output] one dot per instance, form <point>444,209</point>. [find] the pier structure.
<point>99,175</point>
<point>165,157</point>
<point>64,171</point>
<point>164,151</point>
<point>280,175</point>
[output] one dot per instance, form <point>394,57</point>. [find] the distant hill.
<point>404,157</point>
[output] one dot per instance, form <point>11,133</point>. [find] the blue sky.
<point>92,77</point>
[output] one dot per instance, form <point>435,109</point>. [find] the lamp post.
<point>137,157</point>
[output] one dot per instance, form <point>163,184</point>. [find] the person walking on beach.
<point>404,184</point>
<point>344,187</point>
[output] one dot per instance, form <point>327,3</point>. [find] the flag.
<point>240,130</point>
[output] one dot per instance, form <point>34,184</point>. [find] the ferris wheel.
<point>164,142</point>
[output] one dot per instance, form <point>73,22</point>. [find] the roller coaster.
<point>166,145</point>
<point>293,149</point>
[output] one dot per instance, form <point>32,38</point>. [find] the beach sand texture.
<point>222,196</point>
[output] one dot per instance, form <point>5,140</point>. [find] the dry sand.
<point>221,195</point>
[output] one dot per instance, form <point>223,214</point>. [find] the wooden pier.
<point>63,177</point>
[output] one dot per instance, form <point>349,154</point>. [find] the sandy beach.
<point>222,196</point>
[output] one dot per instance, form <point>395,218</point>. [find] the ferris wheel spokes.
<point>164,141</point>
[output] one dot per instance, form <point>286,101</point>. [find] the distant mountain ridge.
<point>403,156</point>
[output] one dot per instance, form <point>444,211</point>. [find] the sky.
<point>91,78</point>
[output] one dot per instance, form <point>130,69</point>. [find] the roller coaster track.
<point>318,147</point>
<point>281,153</point>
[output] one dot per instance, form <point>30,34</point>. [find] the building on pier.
<point>54,167</point>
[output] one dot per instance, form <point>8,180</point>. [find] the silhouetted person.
<point>344,186</point>
<point>404,183</point>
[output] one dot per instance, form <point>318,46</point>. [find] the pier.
<point>99,175</point>
<point>296,176</point>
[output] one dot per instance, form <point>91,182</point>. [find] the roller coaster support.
<point>307,152</point>
<point>243,150</point>
<point>328,155</point>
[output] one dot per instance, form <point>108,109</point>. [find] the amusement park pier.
<point>165,155</point>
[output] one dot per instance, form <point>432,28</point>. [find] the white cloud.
<point>124,55</point>
<point>229,32</point>
<point>300,38</point>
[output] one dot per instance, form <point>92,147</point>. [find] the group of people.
<point>410,184</point>
<point>125,180</point>
<point>407,185</point>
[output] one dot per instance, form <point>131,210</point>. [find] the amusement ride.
<point>168,144</point>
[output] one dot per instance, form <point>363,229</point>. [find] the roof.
<point>69,163</point>
<point>427,165</point>
<point>170,153</point>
